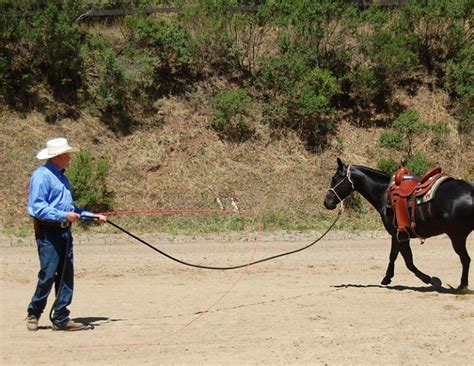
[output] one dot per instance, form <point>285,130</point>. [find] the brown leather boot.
<point>70,326</point>
<point>32,322</point>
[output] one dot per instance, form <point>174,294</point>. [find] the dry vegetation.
<point>176,162</point>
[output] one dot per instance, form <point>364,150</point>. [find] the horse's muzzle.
<point>330,202</point>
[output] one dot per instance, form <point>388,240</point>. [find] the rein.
<point>231,267</point>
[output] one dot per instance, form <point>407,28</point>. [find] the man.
<point>51,205</point>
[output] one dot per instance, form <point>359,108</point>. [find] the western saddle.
<point>404,191</point>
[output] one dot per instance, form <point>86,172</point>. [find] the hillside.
<point>177,162</point>
<point>216,107</point>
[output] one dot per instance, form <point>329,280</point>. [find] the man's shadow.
<point>91,322</point>
<point>95,321</point>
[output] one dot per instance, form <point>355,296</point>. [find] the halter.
<point>348,176</point>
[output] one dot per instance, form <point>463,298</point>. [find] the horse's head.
<point>341,186</point>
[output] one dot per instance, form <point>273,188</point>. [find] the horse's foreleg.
<point>405,250</point>
<point>394,250</point>
<point>459,245</point>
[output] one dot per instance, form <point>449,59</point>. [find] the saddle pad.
<point>431,193</point>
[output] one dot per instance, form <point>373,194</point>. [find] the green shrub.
<point>419,163</point>
<point>208,23</point>
<point>387,45</point>
<point>301,97</point>
<point>439,29</point>
<point>277,75</point>
<point>312,95</point>
<point>389,165</point>
<point>231,111</point>
<point>406,131</point>
<point>460,74</point>
<point>465,114</point>
<point>366,84</point>
<point>168,42</point>
<point>391,140</point>
<point>89,182</point>
<point>275,113</point>
<point>320,29</point>
<point>106,83</point>
<point>229,38</point>
<point>54,41</point>
<point>411,126</point>
<point>439,131</point>
<point>16,72</point>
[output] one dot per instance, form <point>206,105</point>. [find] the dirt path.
<point>321,306</point>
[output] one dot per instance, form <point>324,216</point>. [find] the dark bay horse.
<point>450,212</point>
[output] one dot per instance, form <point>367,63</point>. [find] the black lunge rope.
<point>232,267</point>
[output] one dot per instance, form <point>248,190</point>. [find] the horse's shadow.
<point>423,289</point>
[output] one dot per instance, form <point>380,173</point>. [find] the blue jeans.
<point>55,254</point>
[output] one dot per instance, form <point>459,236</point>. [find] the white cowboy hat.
<point>54,148</point>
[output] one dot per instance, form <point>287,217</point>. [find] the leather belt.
<point>57,224</point>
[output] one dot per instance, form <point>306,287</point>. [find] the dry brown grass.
<point>176,162</point>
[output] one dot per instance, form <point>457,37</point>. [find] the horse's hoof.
<point>465,290</point>
<point>386,281</point>
<point>435,281</point>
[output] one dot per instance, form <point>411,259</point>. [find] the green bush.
<point>277,75</point>
<point>300,97</point>
<point>386,44</point>
<point>275,113</point>
<point>389,165</point>
<point>411,126</point>
<point>406,131</point>
<point>54,40</point>
<point>321,29</point>
<point>460,74</point>
<point>209,23</point>
<point>16,73</point>
<point>366,85</point>
<point>231,111</point>
<point>227,38</point>
<point>89,182</point>
<point>168,42</point>
<point>439,131</point>
<point>419,163</point>
<point>391,140</point>
<point>465,114</point>
<point>313,93</point>
<point>440,29</point>
<point>106,82</point>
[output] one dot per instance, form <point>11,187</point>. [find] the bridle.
<point>349,178</point>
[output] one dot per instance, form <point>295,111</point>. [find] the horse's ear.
<point>340,164</point>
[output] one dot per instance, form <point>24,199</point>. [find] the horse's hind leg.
<point>394,250</point>
<point>405,250</point>
<point>459,245</point>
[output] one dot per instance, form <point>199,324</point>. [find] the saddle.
<point>404,191</point>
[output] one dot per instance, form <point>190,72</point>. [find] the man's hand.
<point>72,217</point>
<point>101,218</point>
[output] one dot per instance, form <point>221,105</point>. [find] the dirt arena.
<point>324,305</point>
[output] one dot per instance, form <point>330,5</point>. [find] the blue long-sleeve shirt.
<point>50,197</point>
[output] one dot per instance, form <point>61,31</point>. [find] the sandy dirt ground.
<point>322,306</point>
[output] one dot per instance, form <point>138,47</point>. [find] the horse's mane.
<point>374,174</point>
